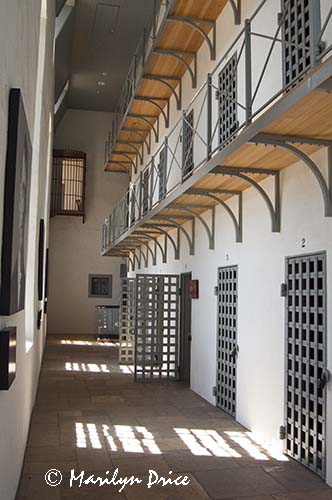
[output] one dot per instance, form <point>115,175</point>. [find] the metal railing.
<point>262,39</point>
<point>144,50</point>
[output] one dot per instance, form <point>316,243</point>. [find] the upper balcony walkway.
<point>266,104</point>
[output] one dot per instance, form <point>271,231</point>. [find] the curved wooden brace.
<point>155,103</point>
<point>236,6</point>
<point>177,55</point>
<point>176,245</point>
<point>193,23</point>
<point>237,222</point>
<point>209,232</point>
<point>145,120</point>
<point>274,211</point>
<point>139,134</point>
<point>326,191</point>
<point>164,81</point>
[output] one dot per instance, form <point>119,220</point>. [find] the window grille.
<point>296,39</point>
<point>145,191</point>
<point>162,172</point>
<point>227,95</point>
<point>188,145</point>
<point>133,205</point>
<point>68,183</point>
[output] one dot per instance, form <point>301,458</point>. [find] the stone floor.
<point>90,416</point>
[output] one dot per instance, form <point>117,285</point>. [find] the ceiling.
<point>95,48</point>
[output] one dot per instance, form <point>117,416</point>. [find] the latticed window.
<point>162,172</point>
<point>68,183</point>
<point>145,191</point>
<point>299,25</point>
<point>188,145</point>
<point>227,94</point>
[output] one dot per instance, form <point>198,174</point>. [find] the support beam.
<point>236,6</point>
<point>212,195</point>
<point>130,144</point>
<point>180,56</point>
<point>165,81</point>
<point>122,164</point>
<point>195,23</point>
<point>283,142</point>
<point>154,101</point>
<point>174,223</point>
<point>140,133</point>
<point>126,155</point>
<point>176,245</point>
<point>163,251</point>
<point>210,231</point>
<point>146,119</point>
<point>242,173</point>
<point>146,244</point>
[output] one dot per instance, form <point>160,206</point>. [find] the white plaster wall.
<point>261,256</point>
<point>75,248</point>
<point>261,266</point>
<point>19,47</point>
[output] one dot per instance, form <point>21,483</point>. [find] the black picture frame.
<point>7,358</point>
<point>16,208</point>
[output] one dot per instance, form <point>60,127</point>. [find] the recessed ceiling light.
<point>98,91</point>
<point>104,73</point>
<point>101,83</point>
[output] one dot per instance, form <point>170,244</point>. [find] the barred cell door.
<point>127,321</point>
<point>156,327</point>
<point>306,373</point>
<point>227,339</point>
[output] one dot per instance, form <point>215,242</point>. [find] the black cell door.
<point>306,373</point>
<point>227,339</point>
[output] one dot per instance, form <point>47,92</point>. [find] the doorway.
<point>185,329</point>
<point>306,372</point>
<point>227,347</point>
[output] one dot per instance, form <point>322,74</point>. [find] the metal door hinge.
<point>283,290</point>
<point>282,432</point>
<point>215,290</point>
<point>214,391</point>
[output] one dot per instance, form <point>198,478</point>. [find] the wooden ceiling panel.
<point>205,9</point>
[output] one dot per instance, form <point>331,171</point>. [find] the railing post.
<point>166,162</point>
<point>151,177</point>
<point>144,48</point>
<point>248,70</point>
<point>209,116</point>
<point>315,27</point>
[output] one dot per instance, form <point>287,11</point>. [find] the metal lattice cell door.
<point>157,323</point>
<point>306,373</point>
<point>227,339</point>
<point>127,321</point>
<point>300,29</point>
<point>227,95</point>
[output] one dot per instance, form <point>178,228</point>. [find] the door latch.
<point>325,378</point>
<point>234,352</point>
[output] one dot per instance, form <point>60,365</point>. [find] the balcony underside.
<point>177,39</point>
<point>299,122</point>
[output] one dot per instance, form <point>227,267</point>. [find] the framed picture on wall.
<point>16,208</point>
